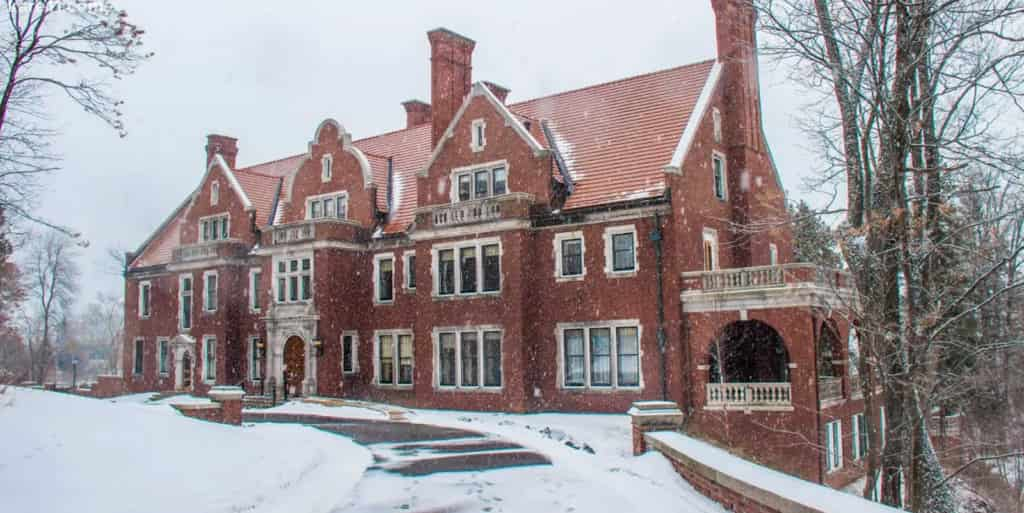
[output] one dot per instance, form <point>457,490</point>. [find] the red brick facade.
<point>594,175</point>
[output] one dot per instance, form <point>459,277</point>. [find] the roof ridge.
<point>393,132</point>
<point>610,82</point>
<point>248,169</point>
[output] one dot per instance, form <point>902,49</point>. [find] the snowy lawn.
<point>64,453</point>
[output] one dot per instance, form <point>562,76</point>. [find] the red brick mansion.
<point>574,252</point>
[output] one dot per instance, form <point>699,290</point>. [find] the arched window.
<point>828,351</point>
<point>748,352</point>
<point>214,193</point>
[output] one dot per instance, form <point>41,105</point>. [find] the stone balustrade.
<point>745,395</point>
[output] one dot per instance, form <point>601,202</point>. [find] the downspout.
<point>656,238</point>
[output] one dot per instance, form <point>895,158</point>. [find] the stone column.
<point>647,416</point>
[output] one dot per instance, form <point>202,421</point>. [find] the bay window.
<point>468,358</point>
<point>600,355</point>
<point>477,271</point>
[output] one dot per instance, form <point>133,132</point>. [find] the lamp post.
<point>74,373</point>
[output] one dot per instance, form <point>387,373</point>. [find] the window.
<point>394,358</point>
<point>620,250</point>
<point>325,168</point>
<point>479,183</point>
<point>214,193</point>
<point>881,426</point>
<point>144,299</point>
<point>716,116</point>
<point>384,283</point>
<point>209,359</point>
<point>255,276</point>
<point>468,358</point>
<point>210,291</point>
<point>569,251</point>
<point>477,138</point>
<point>139,346</point>
<point>860,436</point>
<point>327,206</point>
<point>410,269</point>
<point>834,445</point>
<point>294,277</point>
<point>773,254</point>
<point>710,245</point>
<point>185,302</point>
<point>600,355</point>
<point>214,228</point>
<point>478,269</point>
<point>163,350</point>
<point>349,355</point>
<point>718,170</point>
<point>255,372</point>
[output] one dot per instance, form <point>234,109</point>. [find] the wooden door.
<point>294,365</point>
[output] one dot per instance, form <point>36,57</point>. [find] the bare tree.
<point>56,47</point>
<point>51,280</point>
<point>908,99</point>
<point>101,326</point>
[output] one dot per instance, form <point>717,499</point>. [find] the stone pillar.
<point>647,416</point>
<point>230,399</point>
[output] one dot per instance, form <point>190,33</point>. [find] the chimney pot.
<point>416,113</point>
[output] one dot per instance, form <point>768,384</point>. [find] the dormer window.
<point>325,168</point>
<point>478,137</point>
<point>716,117</point>
<point>214,228</point>
<point>480,183</point>
<point>214,193</point>
<point>327,206</point>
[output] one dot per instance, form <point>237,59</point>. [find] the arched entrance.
<point>294,365</point>
<point>748,352</point>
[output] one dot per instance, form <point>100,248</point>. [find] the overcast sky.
<point>268,72</point>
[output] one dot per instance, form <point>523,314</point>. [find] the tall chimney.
<point>500,92</point>
<point>416,113</point>
<point>737,52</point>
<point>451,72</point>
<point>226,146</point>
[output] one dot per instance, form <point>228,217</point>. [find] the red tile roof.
<point>261,190</point>
<point>160,247</point>
<point>409,150</point>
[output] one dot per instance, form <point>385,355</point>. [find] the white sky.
<point>269,72</point>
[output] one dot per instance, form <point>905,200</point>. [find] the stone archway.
<point>294,369</point>
<point>748,352</point>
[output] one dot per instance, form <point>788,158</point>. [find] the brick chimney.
<point>416,113</point>
<point>451,73</point>
<point>737,51</point>
<point>226,146</point>
<point>499,92</point>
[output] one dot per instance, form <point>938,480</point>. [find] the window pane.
<point>482,188</point>
<point>574,358</point>
<point>342,207</point>
<point>622,246</point>
<point>346,353</point>
<point>138,357</point>
<point>446,271</point>
<point>600,357</point>
<point>387,367</point>
<point>405,360</point>
<point>500,186</point>
<point>492,268</point>
<point>447,360</point>
<point>572,257</point>
<point>186,284</point>
<point>307,287</point>
<point>206,230</point>
<point>629,356</point>
<point>306,263</point>
<point>492,359</point>
<point>186,311</point>
<point>256,290</point>
<point>315,210</point>
<point>470,360</point>
<point>224,228</point>
<point>329,207</point>
<point>163,357</point>
<point>280,289</point>
<point>280,267</point>
<point>465,184</point>
<point>293,286</point>
<point>293,265</point>
<point>386,279</point>
<point>467,269</point>
<point>410,272</point>
<point>211,360</point>
<point>719,178</point>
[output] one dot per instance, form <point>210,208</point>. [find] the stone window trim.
<point>408,271</point>
<point>163,367</point>
<point>214,193</point>
<point>210,302</point>
<point>339,198</point>
<point>609,255</point>
<point>377,290</point>
<point>479,244</point>
<point>560,330</point>
<point>834,446</point>
<point>218,227</point>
<point>255,303</point>
<point>773,254</point>
<point>209,368</point>
<point>471,171</point>
<point>138,355</point>
<point>709,247</point>
<point>255,373</point>
<point>288,274</point>
<point>720,184</point>
<point>479,330</point>
<point>326,167</point>
<point>395,334</point>
<point>716,120</point>
<point>559,239</point>
<point>355,351</point>
<point>478,135</point>
<point>182,305</point>
<point>145,299</point>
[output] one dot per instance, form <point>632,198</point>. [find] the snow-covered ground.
<point>349,412</point>
<point>61,453</point>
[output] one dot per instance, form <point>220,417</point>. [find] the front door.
<point>294,365</point>
<point>186,371</point>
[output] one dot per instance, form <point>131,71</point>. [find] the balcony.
<point>743,396</point>
<point>467,212</point>
<point>294,232</point>
<point>790,284</point>
<point>208,250</point>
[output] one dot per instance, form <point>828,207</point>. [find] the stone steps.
<point>257,401</point>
